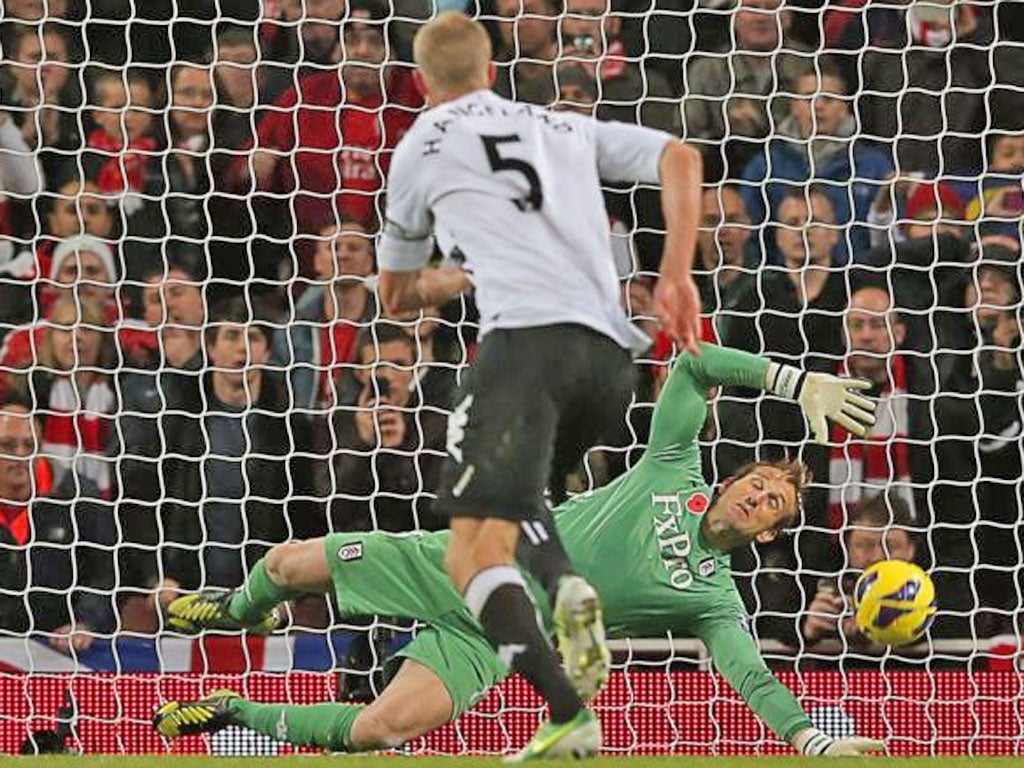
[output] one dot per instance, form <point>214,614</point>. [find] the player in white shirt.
<point>511,193</point>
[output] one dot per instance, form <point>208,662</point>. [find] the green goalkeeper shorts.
<point>404,576</point>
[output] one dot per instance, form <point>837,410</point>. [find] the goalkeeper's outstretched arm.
<point>737,657</point>
<point>681,409</point>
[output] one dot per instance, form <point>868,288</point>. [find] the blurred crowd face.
<point>757,24</point>
<point>34,10</point>
<point>587,28</point>
<point>574,98</point>
<point>78,209</point>
<point>420,325</point>
<point>320,31</point>
<point>724,227</point>
<point>527,27</point>
<point>175,300</point>
<point>238,347</point>
<point>36,64</point>
<point>873,333</point>
<point>74,341</point>
<point>928,223</point>
<point>991,296</point>
<point>175,303</point>
<point>343,251</point>
<point>236,74</point>
<point>392,361</point>
<point>17,444</point>
<point>868,545</point>
<point>112,101</point>
<point>192,93</point>
<point>820,111</point>
<point>364,53</point>
<point>802,239</point>
<point>87,273</point>
<point>1008,155</point>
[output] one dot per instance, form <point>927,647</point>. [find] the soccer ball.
<point>894,602</point>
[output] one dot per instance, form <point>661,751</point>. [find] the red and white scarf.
<point>76,434</point>
<point>860,468</point>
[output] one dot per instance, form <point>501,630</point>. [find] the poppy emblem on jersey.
<point>350,552</point>
<point>698,503</point>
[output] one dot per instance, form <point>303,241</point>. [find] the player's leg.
<point>481,563</point>
<point>414,703</point>
<point>597,378</point>
<point>285,572</point>
<point>500,444</point>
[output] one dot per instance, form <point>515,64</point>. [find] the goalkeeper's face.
<point>751,507</point>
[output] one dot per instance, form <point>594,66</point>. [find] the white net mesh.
<point>189,195</point>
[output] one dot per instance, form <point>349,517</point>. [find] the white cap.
<point>83,244</point>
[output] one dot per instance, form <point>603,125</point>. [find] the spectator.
<point>526,49</point>
<point>819,142</point>
<point>999,203</point>
<point>317,346</point>
<point>982,451</point>
<point>318,44</point>
<point>42,98</point>
<point>436,369</point>
<point>123,143</point>
<point>164,359</point>
<point>81,267</point>
<point>577,90</point>
<point>859,467</point>
<point>225,472</point>
<point>76,209</point>
<point>724,258</point>
<point>732,96</point>
<point>880,529</point>
<point>73,390</point>
<point>927,276</point>
<point>793,313</point>
<point>928,209</point>
<point>245,82</point>
<point>390,445</point>
<point>356,121</point>
<point>21,178</point>
<point>934,99</point>
<point>55,542</point>
<point>846,21</point>
<point>589,34</point>
<point>187,176</point>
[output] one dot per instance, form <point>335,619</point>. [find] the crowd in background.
<point>195,365</point>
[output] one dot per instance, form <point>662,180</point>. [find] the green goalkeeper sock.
<point>317,725</point>
<point>258,596</point>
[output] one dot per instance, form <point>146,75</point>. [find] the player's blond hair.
<point>453,53</point>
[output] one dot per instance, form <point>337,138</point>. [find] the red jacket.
<point>339,147</point>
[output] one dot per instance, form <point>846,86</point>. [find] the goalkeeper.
<point>653,542</point>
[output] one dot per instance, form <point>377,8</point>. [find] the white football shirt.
<point>513,192</point>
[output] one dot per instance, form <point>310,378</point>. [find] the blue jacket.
<point>297,345</point>
<point>789,165</point>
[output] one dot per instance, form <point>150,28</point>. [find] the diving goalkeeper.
<point>653,542</point>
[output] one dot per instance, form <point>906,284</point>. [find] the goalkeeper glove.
<point>822,396</point>
<point>814,743</point>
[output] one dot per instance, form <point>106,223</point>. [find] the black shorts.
<point>532,403</point>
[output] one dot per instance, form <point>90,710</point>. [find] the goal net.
<point>195,365</point>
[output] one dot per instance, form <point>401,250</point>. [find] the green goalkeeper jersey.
<point>638,540</point>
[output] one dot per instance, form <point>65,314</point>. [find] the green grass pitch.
<point>367,761</point>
